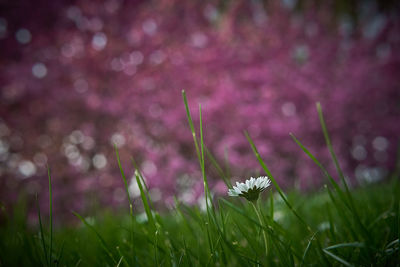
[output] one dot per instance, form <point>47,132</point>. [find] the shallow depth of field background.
<point>77,77</point>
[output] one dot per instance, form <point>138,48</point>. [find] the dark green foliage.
<point>186,235</point>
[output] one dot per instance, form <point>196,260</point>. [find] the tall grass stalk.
<point>50,217</point>
<point>341,175</point>
<point>258,212</point>
<point>132,219</point>
<point>200,154</point>
<point>275,183</point>
<point>41,231</point>
<point>100,238</point>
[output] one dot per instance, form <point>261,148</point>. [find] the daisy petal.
<point>232,193</point>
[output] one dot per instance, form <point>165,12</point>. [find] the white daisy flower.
<point>251,189</point>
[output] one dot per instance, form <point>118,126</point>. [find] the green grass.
<point>185,236</point>
<point>335,226</point>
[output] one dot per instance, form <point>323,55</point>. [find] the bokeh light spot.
<point>23,36</point>
<point>118,140</point>
<point>359,153</point>
<point>76,137</point>
<point>149,27</point>
<point>27,168</point>
<point>99,161</point>
<point>136,57</point>
<point>157,57</point>
<point>99,41</point>
<point>39,70</point>
<point>380,143</point>
<point>199,40</point>
<point>289,109</point>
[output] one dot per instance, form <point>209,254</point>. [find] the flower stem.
<point>257,210</point>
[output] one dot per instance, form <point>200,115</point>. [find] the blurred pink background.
<point>79,76</point>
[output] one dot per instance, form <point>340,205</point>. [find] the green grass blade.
<point>384,215</point>
<point>41,231</point>
<point>51,217</point>
<point>396,193</point>
<point>394,242</point>
<point>324,171</point>
<point>184,219</point>
<point>223,218</point>
<point>155,247</point>
<point>123,258</point>
<point>200,154</point>
<point>276,240</point>
<point>269,174</point>
<point>333,155</point>
<point>340,192</point>
<point>207,192</point>
<point>243,213</point>
<point>322,253</point>
<point>120,261</point>
<point>330,147</point>
<point>130,203</point>
<point>210,243</point>
<point>343,215</point>
<point>332,228</point>
<point>337,258</point>
<point>226,163</point>
<point>218,168</point>
<point>60,254</point>
<point>145,187</point>
<point>222,232</point>
<point>191,125</point>
<point>235,253</point>
<point>102,241</point>
<point>307,249</point>
<point>145,203</point>
<point>356,216</point>
<point>186,253</point>
<point>344,245</point>
<point>271,207</point>
<point>123,175</point>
